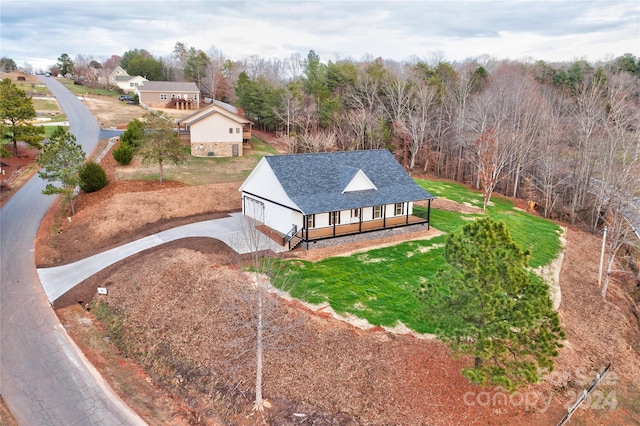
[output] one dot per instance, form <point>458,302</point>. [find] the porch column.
<point>407,211</point>
<point>334,222</point>
<point>384,216</point>
<point>360,220</point>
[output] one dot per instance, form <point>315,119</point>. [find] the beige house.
<point>117,72</point>
<point>217,131</point>
<point>169,94</point>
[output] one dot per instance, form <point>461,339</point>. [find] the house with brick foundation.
<point>218,130</point>
<point>309,197</point>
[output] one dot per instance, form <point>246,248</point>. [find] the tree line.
<point>534,130</point>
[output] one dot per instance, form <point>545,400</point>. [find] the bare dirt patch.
<point>110,112</point>
<point>332,372</point>
<point>15,171</point>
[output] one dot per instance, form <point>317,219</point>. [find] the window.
<point>163,96</point>
<point>355,213</point>
<point>377,212</point>
<point>311,221</point>
<point>237,130</point>
<point>230,130</point>
<point>399,209</point>
<point>334,218</point>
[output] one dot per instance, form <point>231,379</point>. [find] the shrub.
<point>92,177</point>
<point>134,133</point>
<point>123,154</point>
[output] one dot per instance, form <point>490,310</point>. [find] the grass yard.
<point>380,285</point>
<point>83,90</point>
<point>204,170</point>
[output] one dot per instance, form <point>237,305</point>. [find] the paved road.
<point>235,231</point>
<point>44,378</point>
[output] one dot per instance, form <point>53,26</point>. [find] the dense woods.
<point>539,131</point>
<point>565,137</point>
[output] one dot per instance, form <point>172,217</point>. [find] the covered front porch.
<point>296,237</point>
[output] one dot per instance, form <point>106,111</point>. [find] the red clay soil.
<point>182,341</point>
<point>16,170</point>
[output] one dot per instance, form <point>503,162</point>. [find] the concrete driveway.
<point>237,231</point>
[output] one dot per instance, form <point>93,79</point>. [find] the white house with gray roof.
<point>307,197</point>
<point>129,83</point>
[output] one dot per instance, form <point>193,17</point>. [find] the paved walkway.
<point>237,231</point>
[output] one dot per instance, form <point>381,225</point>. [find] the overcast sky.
<point>38,32</point>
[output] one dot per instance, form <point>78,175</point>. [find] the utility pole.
<point>604,240</point>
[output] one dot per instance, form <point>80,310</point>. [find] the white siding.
<point>322,220</point>
<point>281,218</point>
<point>263,182</point>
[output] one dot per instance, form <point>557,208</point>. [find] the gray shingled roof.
<point>125,77</point>
<point>315,181</point>
<point>168,86</point>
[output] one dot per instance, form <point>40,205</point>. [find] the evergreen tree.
<point>134,133</point>
<point>61,160</point>
<point>92,177</point>
<point>7,64</point>
<point>506,318</point>
<point>16,112</point>
<point>65,64</point>
<point>123,154</point>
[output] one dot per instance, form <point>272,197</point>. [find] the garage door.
<point>254,208</point>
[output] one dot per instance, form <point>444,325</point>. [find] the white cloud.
<point>39,31</point>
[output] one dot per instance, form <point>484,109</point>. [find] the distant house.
<point>129,83</point>
<point>169,94</point>
<point>117,71</point>
<point>308,197</point>
<point>218,130</point>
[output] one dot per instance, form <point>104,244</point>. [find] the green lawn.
<point>82,90</point>
<point>204,170</point>
<point>380,285</point>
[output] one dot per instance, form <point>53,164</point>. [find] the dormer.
<point>357,180</point>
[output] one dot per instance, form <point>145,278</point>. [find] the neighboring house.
<point>218,130</point>
<point>169,94</point>
<point>129,83</point>
<point>307,197</point>
<point>118,71</point>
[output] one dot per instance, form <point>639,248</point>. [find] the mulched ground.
<point>182,333</point>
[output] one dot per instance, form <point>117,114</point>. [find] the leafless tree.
<point>620,161</point>
<point>417,123</point>
<point>460,92</point>
<point>260,319</point>
<point>588,118</point>
<point>316,141</point>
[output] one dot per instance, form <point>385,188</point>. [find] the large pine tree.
<point>506,318</point>
<point>61,160</point>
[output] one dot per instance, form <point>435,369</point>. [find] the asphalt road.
<point>44,378</point>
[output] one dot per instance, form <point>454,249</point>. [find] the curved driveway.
<point>44,378</point>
